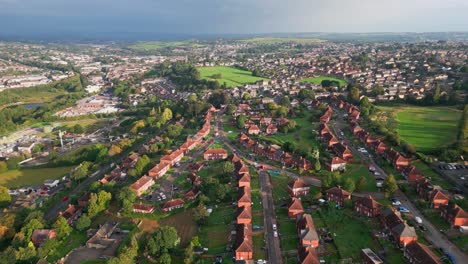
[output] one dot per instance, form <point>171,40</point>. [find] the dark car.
<point>423,228</point>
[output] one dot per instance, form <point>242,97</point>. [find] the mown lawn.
<point>427,128</point>
<point>229,75</point>
<point>432,175</point>
<point>32,176</point>
<point>215,233</point>
<point>319,79</point>
<point>355,172</point>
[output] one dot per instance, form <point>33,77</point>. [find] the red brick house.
<point>424,188</point>
<point>192,194</point>
<point>172,205</point>
<point>297,188</point>
<point>324,129</point>
<point>367,206</point>
<point>342,151</point>
<point>130,161</point>
<point>143,208</point>
<point>356,129</point>
<point>417,253</point>
<point>402,233</point>
<point>295,208</point>
<point>330,139</point>
<point>265,121</point>
<point>189,145</point>
<point>40,236</point>
<point>244,215</point>
<point>336,164</point>
<point>454,215</point>
<point>174,157</point>
<point>83,200</point>
<point>245,198</point>
<point>159,170</point>
<point>338,195</point>
<point>253,130</point>
<point>307,255</point>
<point>271,129</point>
<point>244,180</point>
<point>194,179</point>
<point>380,148</point>
<point>438,198</point>
<point>306,231</point>
<point>412,174</point>
<point>243,245</point>
<point>215,154</point>
<point>142,184</point>
<point>71,214</point>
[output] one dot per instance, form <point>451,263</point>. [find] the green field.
<point>280,40</point>
<point>427,128</point>
<point>319,79</point>
<point>156,45</point>
<point>23,177</point>
<point>229,75</point>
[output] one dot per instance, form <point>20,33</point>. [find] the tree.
<point>142,165</point>
<point>174,131</point>
<point>390,185</point>
<point>378,90</point>
<point>62,227</point>
<point>200,213</point>
<point>5,197</point>
<point>317,165</point>
<point>163,239</point>
<point>29,228</point>
<point>81,171</point>
<point>165,259</point>
<point>436,95</point>
<point>282,111</point>
<point>284,101</point>
<point>78,129</point>
<point>49,246</point>
<point>8,256</point>
<point>361,183</point>
<point>228,167</point>
<point>166,115</point>
<point>26,254</point>
<point>327,180</point>
<point>304,94</point>
<point>240,121</point>
<point>83,222</point>
<point>246,96</point>
<point>137,126</point>
<point>127,197</point>
<point>349,184</point>
<point>98,203</point>
<point>354,94</point>
<point>114,150</point>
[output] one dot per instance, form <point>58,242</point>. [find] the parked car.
<point>403,209</point>
<point>275,234</point>
<point>395,201</point>
<point>274,227</point>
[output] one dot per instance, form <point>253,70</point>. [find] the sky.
<point>197,17</point>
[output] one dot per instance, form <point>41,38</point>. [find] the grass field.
<point>319,79</point>
<point>280,40</point>
<point>185,225</point>
<point>23,177</point>
<point>229,75</point>
<point>426,128</point>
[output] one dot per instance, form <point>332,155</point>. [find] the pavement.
<point>433,235</point>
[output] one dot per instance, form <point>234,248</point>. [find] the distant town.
<point>255,150</point>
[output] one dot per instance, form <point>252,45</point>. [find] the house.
<point>302,163</point>
<point>295,208</point>
<point>174,157</point>
<point>243,244</point>
<point>330,139</point>
<point>71,214</point>
<point>412,174</point>
<point>142,184</point>
<point>402,233</point>
<point>338,195</point>
<point>307,255</point>
<point>40,236</point>
<point>189,145</point>
<point>244,215</point>
<point>159,170</point>
<point>306,231</point>
<point>454,215</point>
<point>324,129</point>
<point>438,198</point>
<point>265,121</point>
<point>417,253</point>
<point>196,167</point>
<point>83,200</point>
<point>172,205</point>
<point>297,188</point>
<point>130,161</point>
<point>245,198</point>
<point>192,194</point>
<point>253,130</point>
<point>244,180</point>
<point>336,164</point>
<point>194,179</point>
<point>367,206</point>
<point>342,151</point>
<point>424,188</point>
<point>369,257</point>
<point>271,129</point>
<point>215,154</point>
<point>143,208</point>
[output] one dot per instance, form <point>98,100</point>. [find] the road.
<point>269,217</point>
<point>433,235</point>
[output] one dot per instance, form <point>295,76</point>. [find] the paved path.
<point>269,217</point>
<point>433,235</point>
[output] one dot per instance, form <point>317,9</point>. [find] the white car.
<point>275,234</point>
<point>274,227</point>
